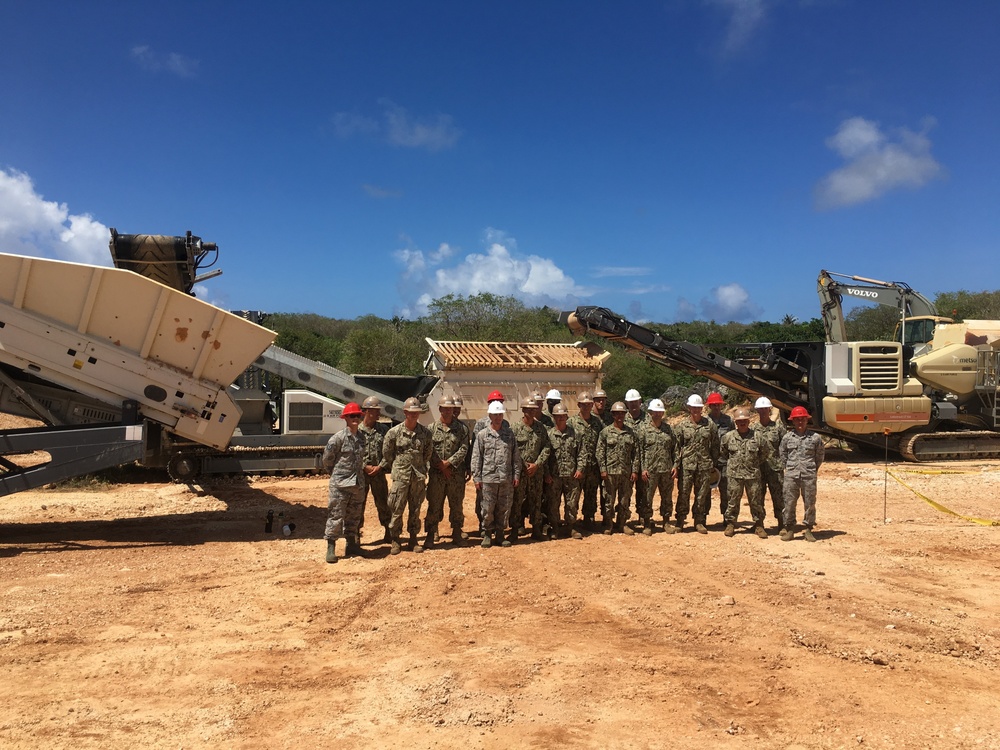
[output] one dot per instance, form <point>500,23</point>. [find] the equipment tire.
<point>183,468</point>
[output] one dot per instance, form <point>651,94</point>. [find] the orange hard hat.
<point>350,410</point>
<point>799,411</point>
<point>715,398</point>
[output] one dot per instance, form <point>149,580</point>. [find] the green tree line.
<point>379,346</point>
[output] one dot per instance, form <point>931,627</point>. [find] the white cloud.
<point>172,62</point>
<point>746,17</point>
<point>728,302</point>
<point>398,127</point>
<point>500,270</point>
<point>604,271</point>
<point>375,191</point>
<point>31,225</point>
<point>876,163</point>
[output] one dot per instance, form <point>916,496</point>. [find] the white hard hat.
<point>553,395</point>
<point>633,395</point>
<point>695,400</point>
<point>762,403</point>
<point>656,405</point>
<point>496,407</point>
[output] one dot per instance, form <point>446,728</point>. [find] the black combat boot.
<point>331,550</point>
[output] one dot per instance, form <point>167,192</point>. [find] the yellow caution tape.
<point>938,506</point>
<point>937,471</point>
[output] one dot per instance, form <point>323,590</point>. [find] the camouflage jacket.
<point>724,424</point>
<point>451,444</point>
<point>587,433</point>
<point>697,445</point>
<point>746,454</point>
<point>532,442</point>
<point>344,458</point>
<point>406,453</point>
<point>636,422</point>
<point>801,455</point>
<point>565,459</point>
<point>657,447</point>
<point>617,451</point>
<point>495,457</point>
<point>771,433</point>
<point>373,442</point>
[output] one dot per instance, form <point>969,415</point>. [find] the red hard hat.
<point>715,398</point>
<point>495,396</point>
<point>349,409</point>
<point>799,411</point>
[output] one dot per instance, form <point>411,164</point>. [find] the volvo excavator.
<point>928,400</point>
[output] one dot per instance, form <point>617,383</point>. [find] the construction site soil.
<point>151,614</point>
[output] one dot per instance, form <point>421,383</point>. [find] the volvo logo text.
<point>862,293</point>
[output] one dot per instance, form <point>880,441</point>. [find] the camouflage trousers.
<point>618,497</point>
<point>345,508</point>
<point>793,487</point>
<point>700,482</point>
<point>379,488</point>
<point>774,481</point>
<point>755,497</point>
<point>589,484</point>
<point>639,490</point>
<point>439,488</point>
<point>527,502</point>
<point>723,489</point>
<point>495,509</point>
<point>664,483</point>
<point>409,496</point>
<point>563,491</point>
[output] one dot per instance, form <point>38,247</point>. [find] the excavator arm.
<point>779,371</point>
<point>909,303</point>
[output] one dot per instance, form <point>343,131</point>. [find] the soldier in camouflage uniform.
<point>723,423</point>
<point>801,453</point>
<point>481,424</point>
<point>374,432</point>
<point>534,448</point>
<point>697,455</point>
<point>344,458</point>
<point>544,413</point>
<point>450,440</point>
<point>635,418</point>
<point>406,451</point>
<point>618,459</point>
<point>657,449</point>
<point>496,470</point>
<point>587,427</point>
<point>773,476</point>
<point>601,410</point>
<point>747,454</point>
<point>566,466</point>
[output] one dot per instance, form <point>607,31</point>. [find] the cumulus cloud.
<point>745,18</point>
<point>876,163</point>
<point>172,62</point>
<point>728,302</point>
<point>31,225</point>
<point>399,127</point>
<point>499,270</point>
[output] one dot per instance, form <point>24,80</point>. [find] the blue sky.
<point>670,160</point>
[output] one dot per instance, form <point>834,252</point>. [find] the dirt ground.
<point>157,615</point>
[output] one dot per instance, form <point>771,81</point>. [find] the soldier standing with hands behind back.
<point>344,458</point>
<point>801,454</point>
<point>406,451</point>
<point>697,454</point>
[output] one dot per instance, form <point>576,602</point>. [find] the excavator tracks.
<point>950,446</point>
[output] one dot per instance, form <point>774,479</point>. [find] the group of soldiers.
<point>533,471</point>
